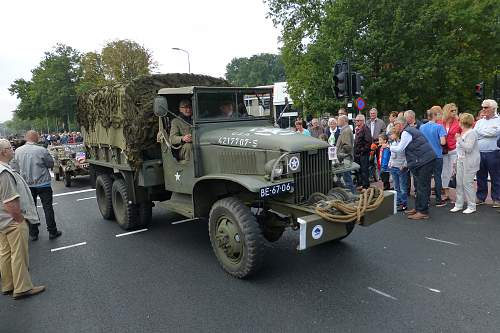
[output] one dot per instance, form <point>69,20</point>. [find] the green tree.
<point>51,92</point>
<point>412,54</point>
<point>92,72</point>
<point>258,70</point>
<point>123,60</point>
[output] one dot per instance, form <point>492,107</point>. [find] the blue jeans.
<point>347,177</point>
<point>490,163</point>
<point>400,179</point>
<point>438,183</point>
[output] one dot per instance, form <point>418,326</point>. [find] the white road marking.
<point>382,293</point>
<point>67,247</point>
<point>85,198</point>
<point>40,206</point>
<point>183,221</point>
<point>441,241</point>
<point>74,192</point>
<point>130,233</point>
<point>430,289</point>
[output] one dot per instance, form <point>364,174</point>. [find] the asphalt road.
<point>440,275</point>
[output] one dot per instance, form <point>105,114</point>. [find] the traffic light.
<point>340,79</point>
<point>357,84</point>
<point>479,90</point>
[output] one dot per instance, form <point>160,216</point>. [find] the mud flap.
<point>314,230</point>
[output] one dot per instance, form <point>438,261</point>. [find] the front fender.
<point>209,189</point>
<point>251,183</point>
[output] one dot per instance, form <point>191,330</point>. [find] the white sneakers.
<point>467,211</point>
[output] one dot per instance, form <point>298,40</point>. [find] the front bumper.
<point>314,230</point>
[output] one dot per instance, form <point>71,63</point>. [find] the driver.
<point>180,132</point>
<point>226,109</point>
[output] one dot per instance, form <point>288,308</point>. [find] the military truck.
<point>248,180</point>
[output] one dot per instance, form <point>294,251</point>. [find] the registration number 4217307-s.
<point>273,190</point>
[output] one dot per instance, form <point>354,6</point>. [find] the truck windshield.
<point>237,105</point>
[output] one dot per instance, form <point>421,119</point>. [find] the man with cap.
<point>180,132</point>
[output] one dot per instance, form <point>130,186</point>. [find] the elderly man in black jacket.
<point>420,158</point>
<point>362,143</point>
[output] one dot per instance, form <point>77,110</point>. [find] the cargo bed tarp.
<point>122,116</point>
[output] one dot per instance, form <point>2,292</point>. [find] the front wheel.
<point>67,179</point>
<point>235,237</point>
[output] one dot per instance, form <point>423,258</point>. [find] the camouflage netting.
<point>126,110</point>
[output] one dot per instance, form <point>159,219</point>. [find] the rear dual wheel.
<point>103,187</point>
<point>127,214</point>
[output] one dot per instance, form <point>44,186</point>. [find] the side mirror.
<point>160,106</point>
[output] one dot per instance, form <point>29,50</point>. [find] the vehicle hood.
<point>268,138</point>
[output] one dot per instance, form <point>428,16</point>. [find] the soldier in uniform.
<point>180,132</point>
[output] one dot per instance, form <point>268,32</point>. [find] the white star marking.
<point>177,177</point>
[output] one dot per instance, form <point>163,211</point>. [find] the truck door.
<point>178,174</point>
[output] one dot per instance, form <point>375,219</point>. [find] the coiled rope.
<point>345,212</point>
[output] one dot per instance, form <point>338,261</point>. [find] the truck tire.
<point>126,213</point>
<point>235,237</point>
<point>67,179</point>
<point>103,186</point>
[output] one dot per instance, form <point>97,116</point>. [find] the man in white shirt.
<point>488,133</point>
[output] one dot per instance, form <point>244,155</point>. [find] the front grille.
<point>315,175</point>
<point>239,162</point>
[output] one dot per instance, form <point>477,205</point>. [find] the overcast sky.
<point>214,32</point>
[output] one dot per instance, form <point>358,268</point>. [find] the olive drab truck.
<point>248,180</point>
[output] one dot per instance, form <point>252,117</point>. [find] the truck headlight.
<point>276,169</point>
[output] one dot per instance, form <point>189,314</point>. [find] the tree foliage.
<point>64,72</point>
<point>413,54</point>
<point>51,91</point>
<point>123,60</point>
<point>258,70</point>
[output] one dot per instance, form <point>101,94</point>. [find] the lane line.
<point>429,288</point>
<point>67,247</point>
<point>382,293</point>
<point>131,233</point>
<point>40,206</point>
<point>85,199</point>
<point>74,192</point>
<point>441,241</point>
<point>183,221</point>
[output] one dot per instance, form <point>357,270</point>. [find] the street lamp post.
<point>189,62</point>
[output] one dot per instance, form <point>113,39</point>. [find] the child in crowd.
<point>384,155</point>
<point>399,172</point>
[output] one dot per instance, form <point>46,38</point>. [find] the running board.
<point>181,204</point>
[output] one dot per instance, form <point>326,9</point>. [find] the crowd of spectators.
<point>61,138</point>
<point>446,149</point>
